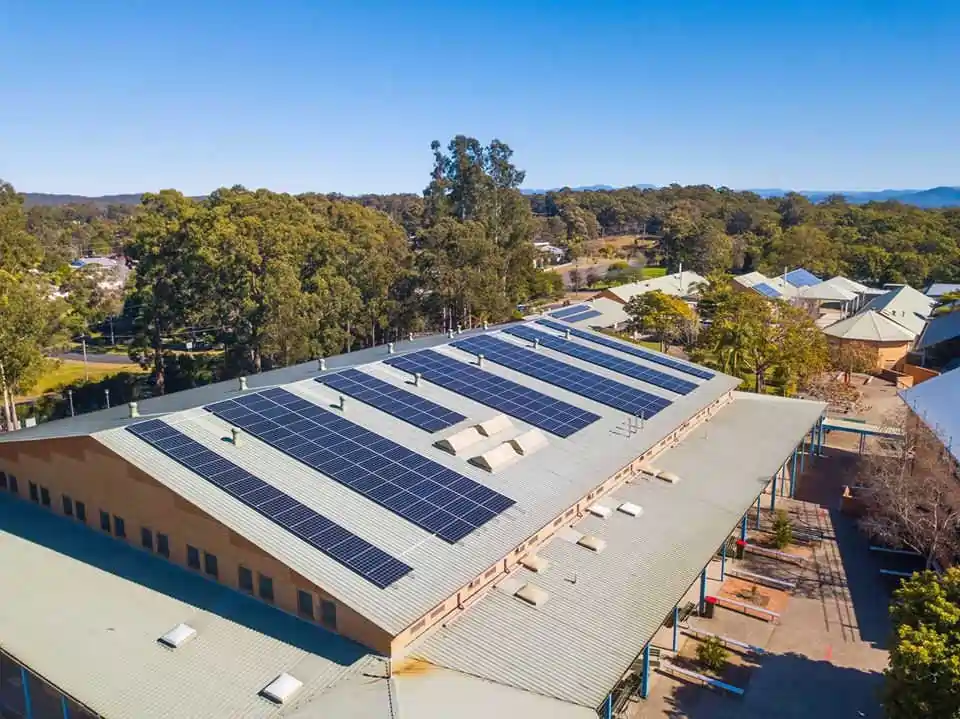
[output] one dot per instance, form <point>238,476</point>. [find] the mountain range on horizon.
<point>934,197</point>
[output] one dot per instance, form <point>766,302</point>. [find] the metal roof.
<point>935,401</point>
<point>604,607</point>
<point>938,289</point>
<point>825,292</point>
<point>750,279</point>
<point>611,314</point>
<point>543,485</point>
<point>679,284</point>
<point>905,306</point>
<point>845,283</point>
<point>869,326</point>
<point>940,328</point>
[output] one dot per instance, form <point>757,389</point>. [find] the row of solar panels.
<point>576,313</point>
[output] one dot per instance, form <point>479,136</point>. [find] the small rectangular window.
<point>210,564</point>
<point>81,511</point>
<point>305,603</point>
<point>44,496</point>
<point>146,538</point>
<point>193,557</point>
<point>328,614</point>
<point>119,527</point>
<point>34,492</point>
<point>104,521</point>
<point>13,485</point>
<point>163,545</point>
<point>266,588</point>
<point>67,505</point>
<point>3,480</point>
<point>245,579</point>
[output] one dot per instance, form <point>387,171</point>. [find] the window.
<point>34,494</point>
<point>119,527</point>
<point>44,496</point>
<point>13,485</point>
<point>266,587</point>
<point>193,557</point>
<point>81,511</point>
<point>245,579</point>
<point>3,480</point>
<point>67,505</point>
<point>210,564</point>
<point>163,545</point>
<point>305,603</point>
<point>328,614</point>
<point>146,538</point>
<point>104,521</point>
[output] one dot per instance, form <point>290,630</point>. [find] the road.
<point>93,358</point>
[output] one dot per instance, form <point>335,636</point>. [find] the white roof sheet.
<point>905,306</point>
<point>826,292</point>
<point>935,402</point>
<point>938,289</point>
<point>845,283</point>
<point>940,328</point>
<point>679,284</point>
<point>750,279</point>
<point>869,326</point>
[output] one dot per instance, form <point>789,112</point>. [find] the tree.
<point>712,654</point>
<point>19,250</point>
<point>850,357</point>
<point>923,677</point>
<point>782,529</point>
<point>911,493</point>
<point>664,315</point>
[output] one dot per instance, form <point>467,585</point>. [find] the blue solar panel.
<point>394,401</point>
<point>593,386</point>
<point>536,408</point>
<point>582,316</point>
<point>767,291</point>
<point>630,349</point>
<point>801,278</point>
<point>437,499</point>
<point>603,359</point>
<point>357,555</point>
<point>567,311</point>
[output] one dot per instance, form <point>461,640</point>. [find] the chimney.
<point>390,348</point>
<point>243,384</point>
<point>480,361</point>
<point>343,402</point>
<point>236,436</point>
<point>416,379</point>
<point>321,364</point>
<point>134,410</point>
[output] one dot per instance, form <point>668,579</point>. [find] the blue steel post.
<point>645,678</point>
<point>723,560</point>
<point>703,591</point>
<point>793,475</point>
<point>676,627</point>
<point>803,452</point>
<point>608,707</point>
<point>64,708</point>
<point>27,704</point>
<point>820,443</point>
<point>743,529</point>
<point>758,512</point>
<point>773,494</point>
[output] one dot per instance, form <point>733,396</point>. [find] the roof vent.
<point>494,425</point>
<point>243,384</point>
<point>651,470</point>
<point>390,348</point>
<point>535,563</point>
<point>134,410</point>
<point>669,477</point>
<point>281,688</point>
<point>321,364</point>
<point>594,544</point>
<point>178,636</point>
<point>532,595</point>
<point>456,443</point>
<point>634,510</point>
<point>529,442</point>
<point>235,436</point>
<point>598,510</point>
<point>496,458</point>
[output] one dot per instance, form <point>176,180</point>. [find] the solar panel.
<point>617,364</point>
<point>767,291</point>
<point>394,401</point>
<point>586,384</point>
<point>429,495</point>
<point>582,316</point>
<point>801,277</point>
<point>630,349</point>
<point>549,414</point>
<point>344,547</point>
<point>567,311</point>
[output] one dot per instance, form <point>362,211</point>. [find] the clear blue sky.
<point>346,95</point>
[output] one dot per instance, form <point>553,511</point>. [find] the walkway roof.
<point>935,401</point>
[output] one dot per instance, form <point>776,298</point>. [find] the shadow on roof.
<point>83,544</point>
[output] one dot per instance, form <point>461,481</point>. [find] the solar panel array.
<point>341,545</point>
<point>602,359</point>
<point>767,291</point>
<point>549,414</point>
<point>655,357</point>
<point>394,401</point>
<point>801,277</point>
<point>586,384</point>
<point>429,495</point>
<point>582,316</point>
<point>568,311</point>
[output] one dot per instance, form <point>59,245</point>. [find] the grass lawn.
<point>650,272</point>
<point>65,372</point>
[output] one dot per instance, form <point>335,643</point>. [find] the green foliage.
<point>712,655</point>
<point>923,677</point>
<point>663,315</point>
<point>782,529</point>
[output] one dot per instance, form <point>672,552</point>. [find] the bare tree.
<point>911,492</point>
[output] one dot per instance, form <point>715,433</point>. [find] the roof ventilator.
<point>456,443</point>
<point>529,442</point>
<point>235,436</point>
<point>416,379</point>
<point>494,425</point>
<point>532,595</point>
<point>480,361</point>
<point>134,410</point>
<point>282,688</point>
<point>634,510</point>
<point>342,403</point>
<point>243,384</point>
<point>594,544</point>
<point>598,510</point>
<point>321,364</point>
<point>178,636</point>
<point>390,348</point>
<point>535,563</point>
<point>669,477</point>
<point>496,458</point>
<point>651,470</point>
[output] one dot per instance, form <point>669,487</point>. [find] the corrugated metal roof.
<point>543,485</point>
<point>679,284</point>
<point>611,313</point>
<point>750,279</point>
<point>845,283</point>
<point>935,402</point>
<point>604,607</point>
<point>869,326</point>
<point>826,292</point>
<point>940,328</point>
<point>905,306</point>
<point>938,289</point>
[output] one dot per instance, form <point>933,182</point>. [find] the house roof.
<point>611,313</point>
<point>824,292</point>
<point>845,283</point>
<point>678,284</point>
<point>905,306</point>
<point>801,277</point>
<point>935,401</point>
<point>938,289</point>
<point>940,328</point>
<point>869,326</point>
<point>750,279</point>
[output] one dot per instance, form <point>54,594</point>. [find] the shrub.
<point>712,655</point>
<point>782,530</point>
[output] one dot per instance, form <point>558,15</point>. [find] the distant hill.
<point>42,198</point>
<point>582,188</point>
